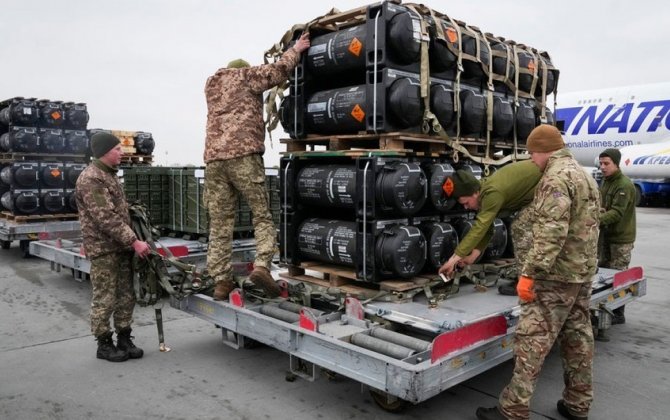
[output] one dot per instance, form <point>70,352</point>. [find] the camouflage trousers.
<point>560,312</point>
<point>113,294</point>
<point>522,235</point>
<point>615,256</point>
<point>225,181</point>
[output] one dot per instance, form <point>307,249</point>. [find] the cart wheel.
<point>395,405</point>
<point>6,244</point>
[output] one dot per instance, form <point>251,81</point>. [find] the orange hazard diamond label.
<point>448,186</point>
<point>452,36</point>
<point>56,115</point>
<point>355,47</point>
<point>358,113</point>
<point>55,173</point>
<point>531,65</point>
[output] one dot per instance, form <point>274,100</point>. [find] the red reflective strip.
<point>627,276</point>
<point>236,299</point>
<point>307,320</point>
<point>177,251</point>
<point>451,341</point>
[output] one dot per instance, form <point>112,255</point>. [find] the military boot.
<point>124,341</point>
<point>491,413</point>
<point>223,289</point>
<point>262,278</point>
<point>108,351</point>
<point>564,411</point>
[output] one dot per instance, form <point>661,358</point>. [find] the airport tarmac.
<point>48,368</point>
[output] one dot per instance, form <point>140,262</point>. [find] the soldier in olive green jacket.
<point>617,221</point>
<point>508,190</point>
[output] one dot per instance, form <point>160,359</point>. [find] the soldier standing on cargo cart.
<point>508,190</point>
<point>555,283</point>
<point>234,156</point>
<point>109,242</point>
<point>617,221</point>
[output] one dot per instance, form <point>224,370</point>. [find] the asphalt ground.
<point>48,368</point>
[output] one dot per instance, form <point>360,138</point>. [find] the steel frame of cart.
<point>467,345</point>
<point>30,231</point>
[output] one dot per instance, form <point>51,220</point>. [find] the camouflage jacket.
<point>618,224</point>
<point>565,226</point>
<point>509,189</point>
<point>103,211</point>
<point>235,125</point>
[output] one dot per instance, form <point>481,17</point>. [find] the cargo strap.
<point>150,275</point>
<point>430,122</point>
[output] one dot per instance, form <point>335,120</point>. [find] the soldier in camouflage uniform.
<point>555,283</point>
<point>109,243</point>
<point>508,190</point>
<point>617,221</point>
<point>234,156</point>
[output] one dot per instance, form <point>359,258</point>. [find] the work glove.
<point>524,288</point>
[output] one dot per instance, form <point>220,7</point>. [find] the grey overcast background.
<point>141,65</point>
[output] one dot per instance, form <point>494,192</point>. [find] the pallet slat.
<point>26,218</point>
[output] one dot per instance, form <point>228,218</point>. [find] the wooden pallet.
<point>390,144</point>
<point>137,160</point>
<point>345,279</point>
<point>14,157</point>
<point>30,218</point>
<point>399,142</point>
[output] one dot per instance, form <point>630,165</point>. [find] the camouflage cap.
<point>462,183</point>
<point>102,142</point>
<point>238,64</point>
<point>544,138</point>
<point>613,154</point>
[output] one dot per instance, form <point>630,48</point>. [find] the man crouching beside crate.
<point>109,242</point>
<point>234,156</point>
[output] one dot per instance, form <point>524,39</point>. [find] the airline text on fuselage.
<point>620,118</point>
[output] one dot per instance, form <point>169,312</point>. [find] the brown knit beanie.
<point>544,138</point>
<point>102,142</point>
<point>461,184</point>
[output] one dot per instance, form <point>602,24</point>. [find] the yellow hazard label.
<point>358,113</point>
<point>355,47</point>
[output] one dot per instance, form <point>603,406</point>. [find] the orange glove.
<point>524,289</point>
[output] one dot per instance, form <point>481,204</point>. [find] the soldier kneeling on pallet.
<point>508,190</point>
<point>109,243</point>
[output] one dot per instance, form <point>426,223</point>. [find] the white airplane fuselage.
<point>596,120</point>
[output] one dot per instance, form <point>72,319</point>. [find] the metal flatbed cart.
<point>403,351</point>
<point>25,232</point>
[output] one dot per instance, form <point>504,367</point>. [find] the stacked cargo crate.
<point>367,84</point>
<point>174,198</point>
<point>44,147</point>
<point>138,146</point>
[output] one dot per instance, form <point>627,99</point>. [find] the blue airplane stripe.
<point>568,115</point>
